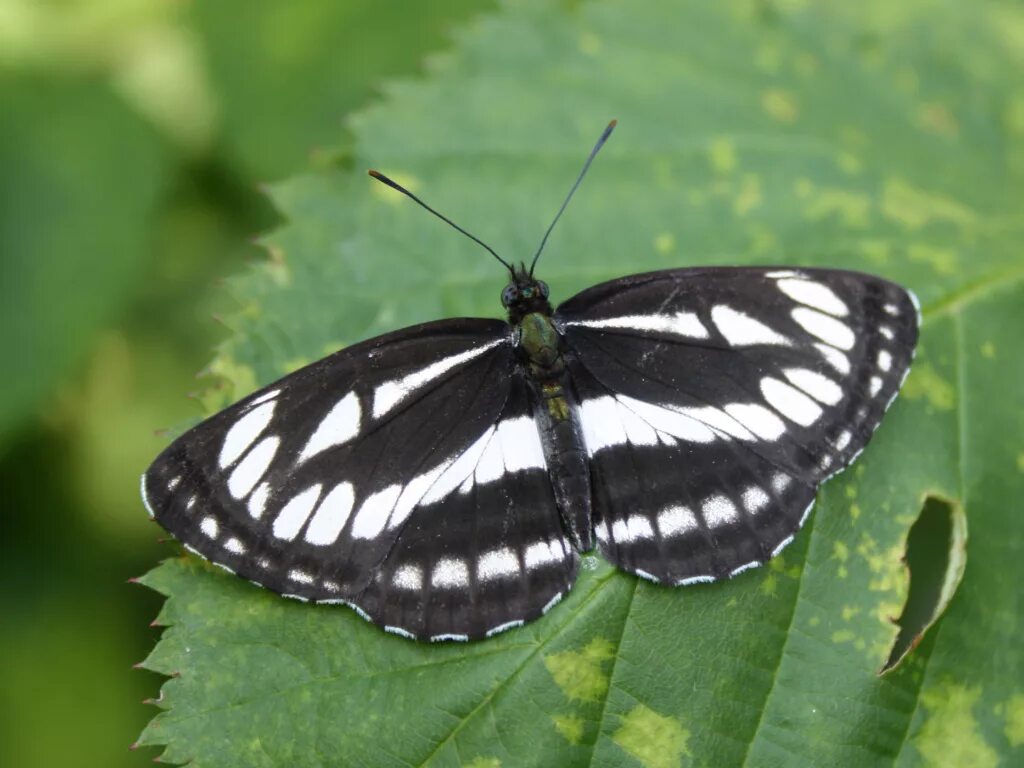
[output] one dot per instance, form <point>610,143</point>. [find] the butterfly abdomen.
<point>561,434</point>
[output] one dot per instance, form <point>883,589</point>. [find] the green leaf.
<point>874,138</point>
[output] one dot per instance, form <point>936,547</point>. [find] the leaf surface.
<point>870,138</point>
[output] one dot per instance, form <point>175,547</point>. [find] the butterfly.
<point>444,479</point>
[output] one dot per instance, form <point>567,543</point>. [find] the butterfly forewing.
<point>314,485</point>
<point>713,402</point>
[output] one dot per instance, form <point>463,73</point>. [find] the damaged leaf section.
<point>936,555</point>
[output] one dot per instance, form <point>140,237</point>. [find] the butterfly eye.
<point>508,295</point>
<point>543,288</point>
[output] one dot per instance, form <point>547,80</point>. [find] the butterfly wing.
<point>715,401</point>
<point>342,480</point>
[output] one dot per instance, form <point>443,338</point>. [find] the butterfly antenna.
<point>395,185</point>
<point>586,166</point>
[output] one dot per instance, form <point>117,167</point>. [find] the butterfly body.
<point>540,351</point>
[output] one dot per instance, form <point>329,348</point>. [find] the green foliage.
<point>750,132</point>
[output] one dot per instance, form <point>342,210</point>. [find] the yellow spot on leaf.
<point>722,155</point>
<point>1020,462</point>
<point>988,349</point>
<point>570,726</point>
<point>843,636</point>
<point>913,208</point>
<point>849,611</point>
<point>814,621</point>
<point>581,674</point>
<point>849,163</point>
<point>840,551</point>
<point>590,44</point>
<point>769,584</point>
<point>942,260</point>
<point>1013,711</point>
<point>655,740</point>
<point>924,381</point>
<point>855,511</point>
<point>950,734</point>
<point>852,208</point>
<point>393,196</point>
<point>484,762</point>
<point>749,196</point>
<point>780,105</point>
<point>665,243</point>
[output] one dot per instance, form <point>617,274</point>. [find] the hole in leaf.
<point>935,556</point>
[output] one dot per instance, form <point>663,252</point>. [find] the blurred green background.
<point>134,137</point>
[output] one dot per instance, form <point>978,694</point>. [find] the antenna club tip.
<point>612,124</point>
<point>374,173</point>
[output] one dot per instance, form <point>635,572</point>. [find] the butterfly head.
<point>525,294</point>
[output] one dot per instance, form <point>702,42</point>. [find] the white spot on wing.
<point>252,467</point>
<point>790,402</point>
<point>520,444</point>
<point>886,331</point>
<point>408,577</point>
<point>719,420</point>
<point>497,563</point>
<point>757,419</point>
<point>258,500</point>
<point>678,324</point>
<point>209,527</point>
<point>264,397</point>
<point>373,513</point>
<point>875,385</point>
<point>780,482</point>
<point>331,516</point>
<point>826,328</point>
<point>754,499</point>
<point>244,432</point>
<point>717,510</point>
<point>450,572</point>
<point>490,466</point>
<point>814,295</point>
<point>741,330</point>
<point>234,546</point>
<point>292,516</point>
<point>542,553</point>
<point>834,357</point>
<point>301,577</point>
<point>633,528</point>
<point>391,393</point>
<point>842,440</point>
<point>340,425</point>
<point>669,420</point>
<point>452,475</point>
<point>676,520</point>
<point>820,387</point>
<point>884,360</point>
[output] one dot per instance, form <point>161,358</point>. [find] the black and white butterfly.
<point>442,480</point>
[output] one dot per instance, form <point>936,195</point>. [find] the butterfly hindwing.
<point>487,557</point>
<point>308,486</point>
<point>714,402</point>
